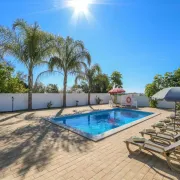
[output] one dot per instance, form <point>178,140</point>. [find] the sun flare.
<point>80,6</point>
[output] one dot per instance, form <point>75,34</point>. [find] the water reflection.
<point>97,123</point>
<point>129,114</point>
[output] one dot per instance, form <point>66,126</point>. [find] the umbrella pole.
<point>111,98</point>
<point>175,114</point>
<point>116,100</point>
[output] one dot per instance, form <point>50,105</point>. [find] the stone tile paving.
<point>33,149</point>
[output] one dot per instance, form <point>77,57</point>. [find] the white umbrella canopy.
<point>169,94</point>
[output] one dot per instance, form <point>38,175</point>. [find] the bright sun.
<point>80,6</point>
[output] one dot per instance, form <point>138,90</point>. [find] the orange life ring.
<point>128,100</point>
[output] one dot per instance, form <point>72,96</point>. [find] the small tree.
<point>39,88</point>
<point>88,77</point>
<point>150,90</point>
<point>52,88</point>
<point>170,79</point>
<point>116,79</point>
<point>10,83</point>
<point>100,83</point>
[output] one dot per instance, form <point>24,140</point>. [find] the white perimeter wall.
<point>143,101</point>
<point>40,100</point>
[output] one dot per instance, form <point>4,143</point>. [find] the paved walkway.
<point>31,148</point>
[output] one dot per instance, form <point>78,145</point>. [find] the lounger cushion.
<point>149,130</point>
<point>138,139</point>
<point>160,124</point>
<point>146,146</point>
<point>166,120</point>
<point>157,134</point>
<point>173,146</point>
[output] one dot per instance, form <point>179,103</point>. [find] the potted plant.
<point>77,103</point>
<point>98,100</point>
<point>49,105</point>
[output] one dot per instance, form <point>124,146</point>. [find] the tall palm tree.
<point>28,44</point>
<point>69,58</point>
<point>88,75</point>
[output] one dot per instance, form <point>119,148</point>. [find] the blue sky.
<point>139,38</point>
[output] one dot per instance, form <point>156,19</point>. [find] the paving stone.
<point>38,150</point>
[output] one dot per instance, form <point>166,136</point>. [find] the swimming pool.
<point>99,124</point>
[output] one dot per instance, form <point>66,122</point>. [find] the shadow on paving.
<point>157,164</point>
<point>9,117</point>
<point>60,112</point>
<point>11,123</point>
<point>91,107</point>
<point>33,146</point>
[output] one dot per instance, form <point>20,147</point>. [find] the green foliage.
<point>88,76</point>
<point>93,80</point>
<point>150,90</point>
<point>69,58</point>
<point>116,79</point>
<point>98,100</point>
<point>100,83</point>
<point>75,87</point>
<point>52,88</point>
<point>10,83</point>
<point>39,88</point>
<point>84,87</point>
<point>49,105</point>
<point>29,45</point>
<point>153,103</point>
<point>177,106</point>
<point>170,79</point>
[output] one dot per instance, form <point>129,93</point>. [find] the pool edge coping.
<point>111,132</point>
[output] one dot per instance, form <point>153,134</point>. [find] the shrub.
<point>98,100</point>
<point>153,103</point>
<point>49,105</point>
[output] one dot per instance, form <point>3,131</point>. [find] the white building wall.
<point>166,105</point>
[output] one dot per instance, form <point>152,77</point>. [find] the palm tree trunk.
<point>89,98</point>
<point>30,86</point>
<point>64,89</point>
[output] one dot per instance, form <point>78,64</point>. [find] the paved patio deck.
<point>31,148</point>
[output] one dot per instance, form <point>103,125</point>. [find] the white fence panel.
<point>20,102</point>
<point>104,96</point>
<point>142,101</point>
<point>72,98</point>
<point>40,100</point>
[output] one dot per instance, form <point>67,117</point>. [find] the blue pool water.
<point>96,123</point>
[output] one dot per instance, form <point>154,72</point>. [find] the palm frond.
<point>79,77</point>
<point>46,74</point>
<point>96,68</point>
<point>55,62</point>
